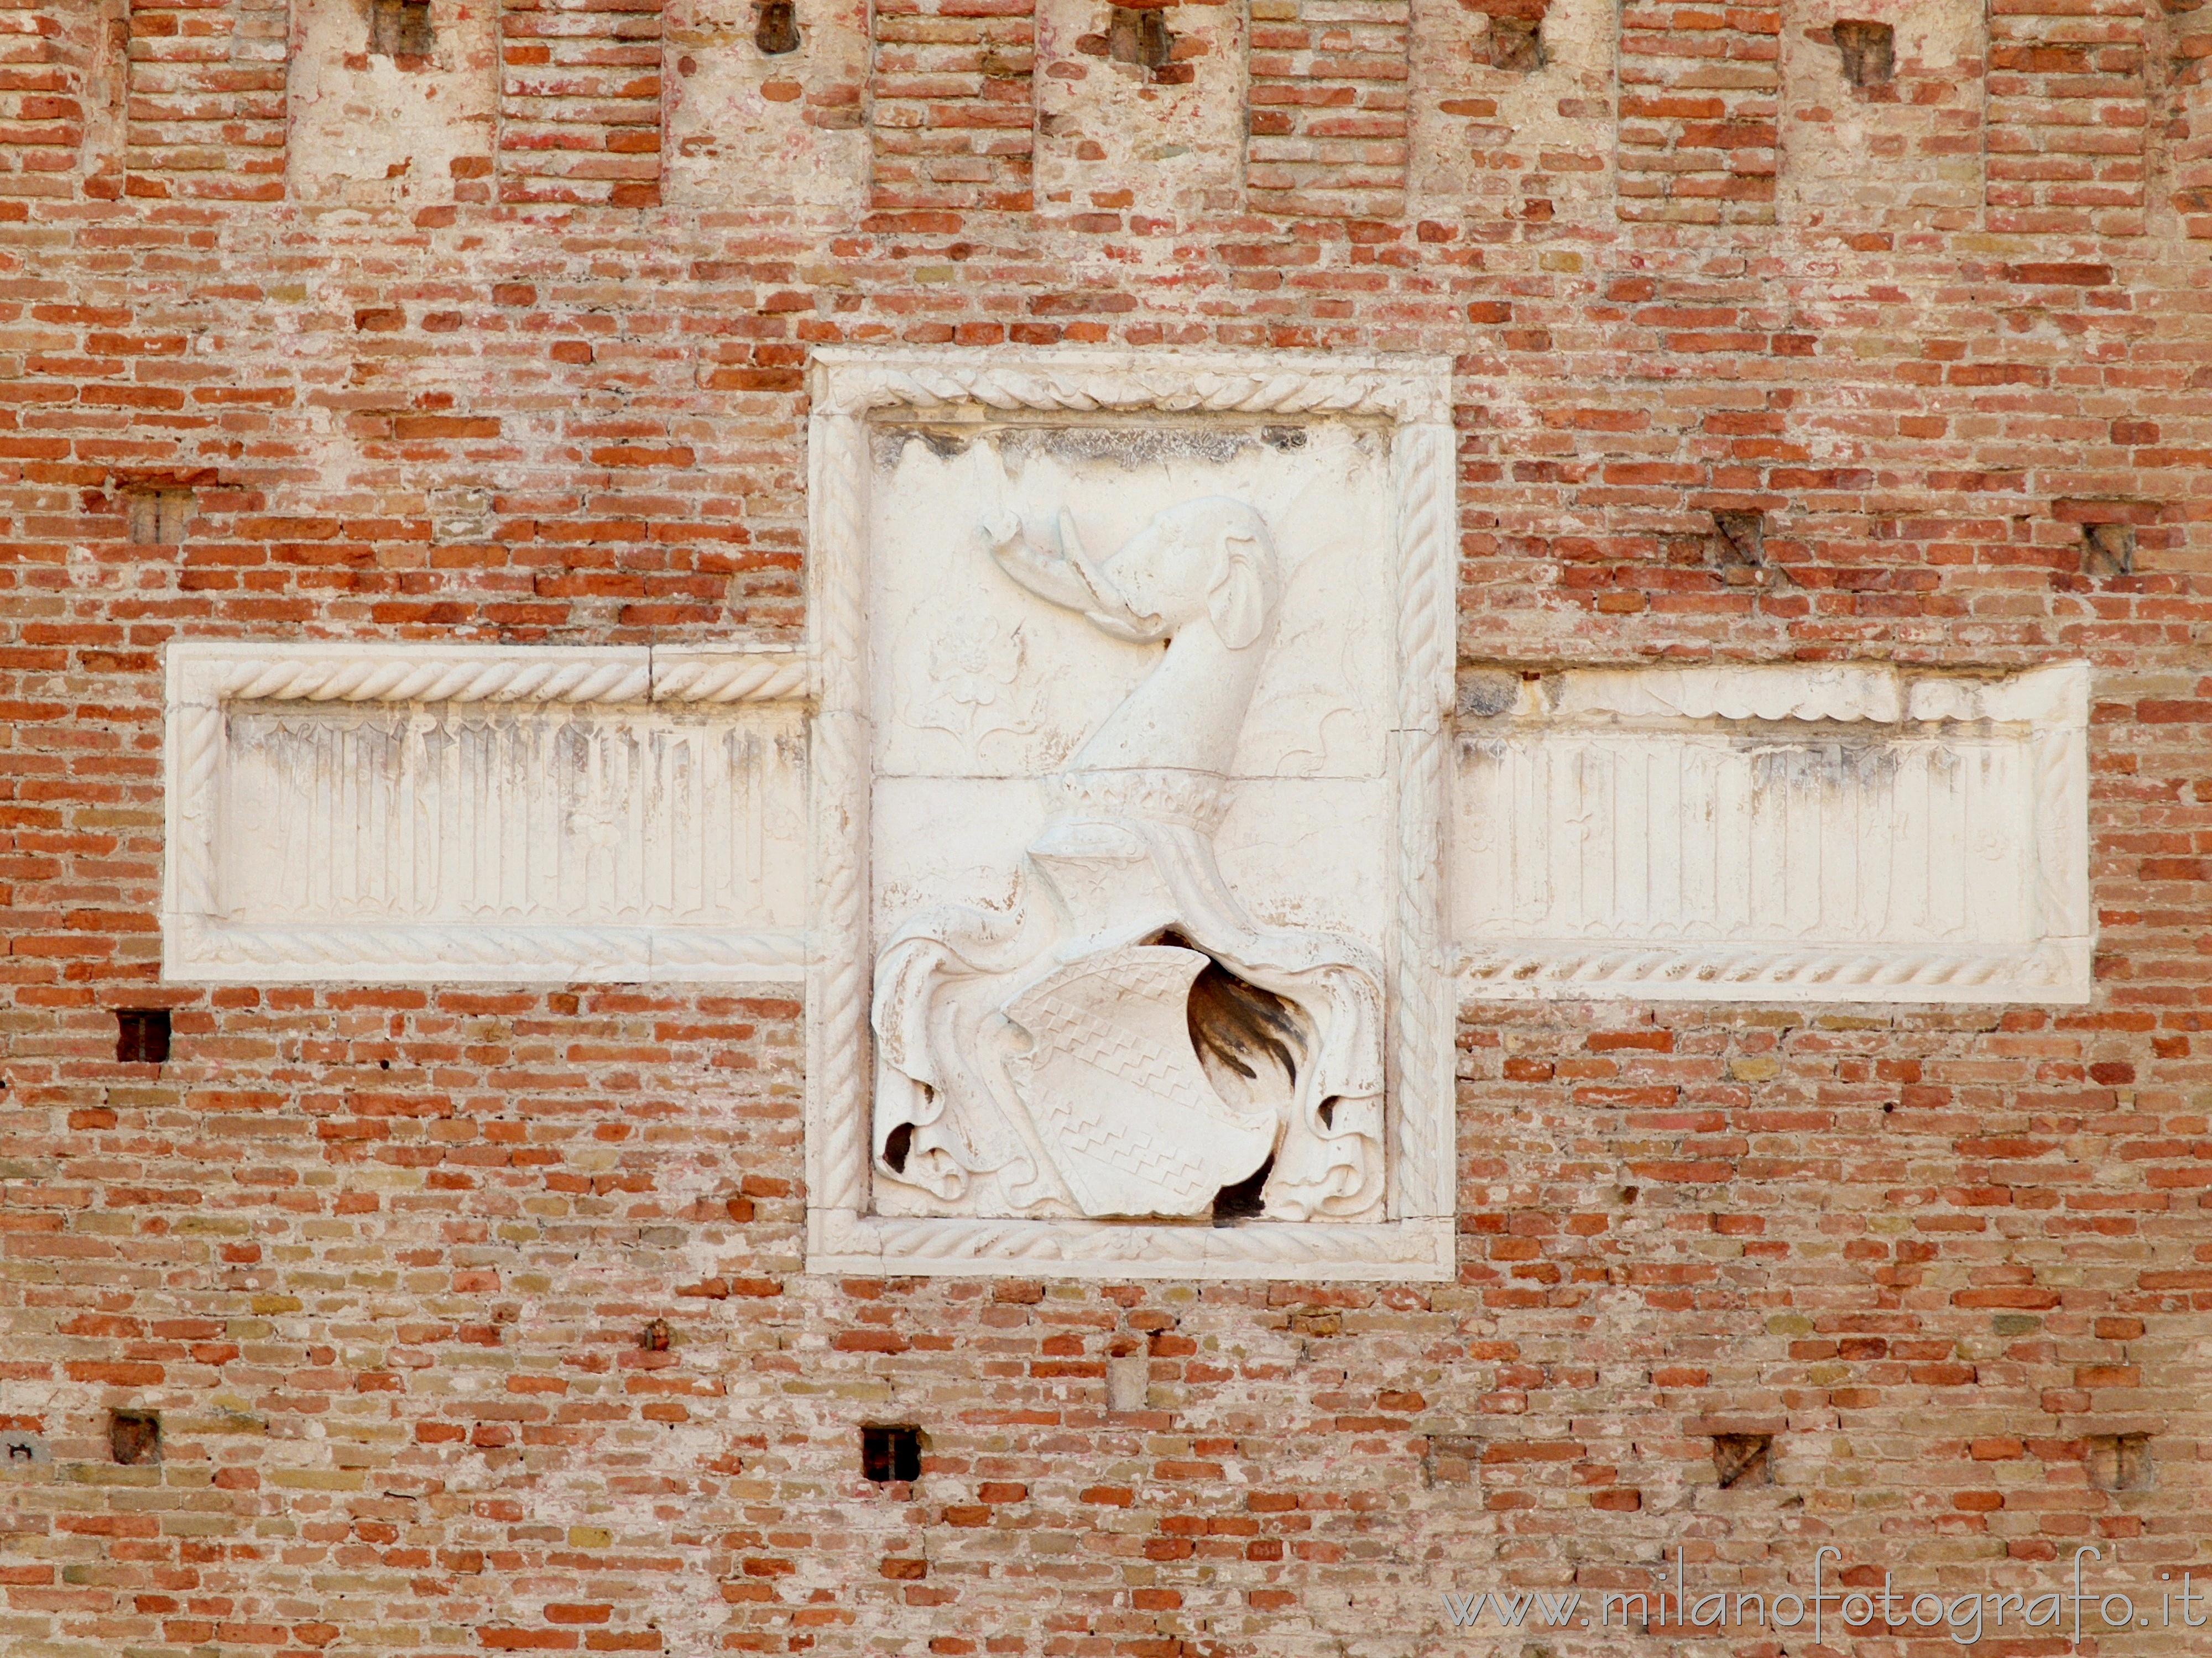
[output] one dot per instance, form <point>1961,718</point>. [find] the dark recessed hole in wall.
<point>2108,550</point>
<point>2120,1462</point>
<point>1242,1201</point>
<point>134,1436</point>
<point>1869,52</point>
<point>656,1336</point>
<point>1285,438</point>
<point>1516,44</point>
<point>1741,539</point>
<point>775,30</point>
<point>157,517</point>
<point>400,28</point>
<point>890,1453</point>
<point>1451,1458</point>
<point>1138,36</point>
<point>141,1035</point>
<point>1743,1459</point>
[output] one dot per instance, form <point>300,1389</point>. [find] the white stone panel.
<point>381,813</point>
<point>1774,834</point>
<point>1134,669</point>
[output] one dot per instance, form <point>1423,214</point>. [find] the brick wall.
<point>1328,108</point>
<point>2068,104</point>
<point>383,1260</point>
<point>1699,88</point>
<point>46,57</point>
<point>206,100</point>
<point>579,110</point>
<point>953,114</point>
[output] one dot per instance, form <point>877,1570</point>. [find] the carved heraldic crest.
<point>1125,1041</point>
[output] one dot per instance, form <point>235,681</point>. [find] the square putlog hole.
<point>890,1454</point>
<point>1869,52</point>
<point>1516,44</point>
<point>1743,1460</point>
<point>2108,550</point>
<point>400,28</point>
<point>775,28</point>
<point>1138,36</point>
<point>2120,1462</point>
<point>157,517</point>
<point>134,1436</point>
<point>141,1035</point>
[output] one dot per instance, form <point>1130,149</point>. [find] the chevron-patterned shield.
<point>1117,1093</point>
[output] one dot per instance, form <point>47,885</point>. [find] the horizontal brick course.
<point>580,107</point>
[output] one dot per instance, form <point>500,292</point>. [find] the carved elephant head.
<point>1207,559</point>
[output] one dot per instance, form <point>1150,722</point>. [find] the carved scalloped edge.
<point>372,954</point>
<point>851,381</point>
<point>848,385</point>
<point>1424,1181</point>
<point>1411,1250</point>
<point>2053,970</point>
<point>1876,693</point>
<point>212,673</point>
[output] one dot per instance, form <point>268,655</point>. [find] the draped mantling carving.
<point>1084,1071</point>
<point>1127,1041</point>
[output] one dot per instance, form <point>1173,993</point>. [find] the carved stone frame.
<point>2046,710</point>
<point>207,680</point>
<point>1413,396</point>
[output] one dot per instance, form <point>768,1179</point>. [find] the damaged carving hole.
<point>141,1035</point>
<point>1285,438</point>
<point>2108,550</point>
<point>776,31</point>
<point>1869,52</point>
<point>1242,1201</point>
<point>890,1453</point>
<point>1743,1459</point>
<point>134,1436</point>
<point>1250,1043</point>
<point>896,1145</point>
<point>1234,1025</point>
<point>1138,36</point>
<point>400,28</point>
<point>1516,44</point>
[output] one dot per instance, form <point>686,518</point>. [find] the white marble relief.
<point>1125,1040</point>
<point>1146,661</point>
<point>1776,833</point>
<point>380,812</point>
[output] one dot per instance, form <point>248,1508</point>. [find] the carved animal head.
<point>1209,558</point>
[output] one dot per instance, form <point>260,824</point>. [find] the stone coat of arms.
<point>1125,1040</point>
